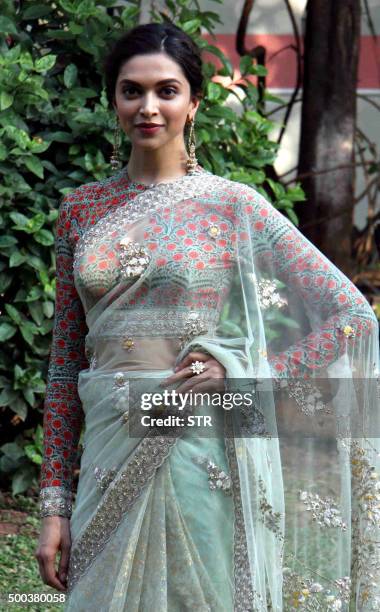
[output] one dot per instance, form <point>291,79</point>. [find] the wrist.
<point>55,501</point>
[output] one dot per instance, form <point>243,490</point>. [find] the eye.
<point>129,90</point>
<point>169,90</point>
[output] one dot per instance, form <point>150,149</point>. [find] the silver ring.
<point>197,367</point>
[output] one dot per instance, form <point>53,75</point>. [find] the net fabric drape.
<point>208,263</point>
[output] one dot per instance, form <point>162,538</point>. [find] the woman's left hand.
<point>210,380</point>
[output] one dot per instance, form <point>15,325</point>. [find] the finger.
<point>214,368</point>
<point>202,385</point>
<point>183,373</point>
<point>194,356</point>
<point>208,386</point>
<point>64,563</point>
<point>192,382</point>
<point>50,574</point>
<point>42,570</point>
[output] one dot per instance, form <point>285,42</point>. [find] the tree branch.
<point>298,49</point>
<point>258,53</point>
<point>326,170</point>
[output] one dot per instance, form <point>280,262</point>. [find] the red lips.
<point>148,125</point>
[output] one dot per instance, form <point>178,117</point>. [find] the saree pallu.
<point>281,515</point>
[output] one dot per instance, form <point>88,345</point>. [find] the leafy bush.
<point>56,132</point>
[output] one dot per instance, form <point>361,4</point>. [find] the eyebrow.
<point>172,80</point>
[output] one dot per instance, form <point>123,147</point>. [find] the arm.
<point>63,413</point>
<point>346,317</point>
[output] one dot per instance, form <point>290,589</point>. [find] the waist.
<point>146,339</point>
<point>143,353</point>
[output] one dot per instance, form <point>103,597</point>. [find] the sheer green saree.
<point>277,506</point>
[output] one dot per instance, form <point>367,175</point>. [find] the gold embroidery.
<point>213,231</point>
<point>128,343</point>
<point>348,331</point>
<point>305,594</point>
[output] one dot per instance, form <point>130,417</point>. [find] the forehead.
<point>150,68</point>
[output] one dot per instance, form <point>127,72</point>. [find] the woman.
<point>172,278</point>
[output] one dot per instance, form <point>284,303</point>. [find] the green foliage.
<point>56,132</point>
<point>19,572</point>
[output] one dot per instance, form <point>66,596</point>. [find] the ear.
<point>195,103</point>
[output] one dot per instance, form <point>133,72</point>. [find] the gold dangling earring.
<point>115,160</point>
<point>192,162</point>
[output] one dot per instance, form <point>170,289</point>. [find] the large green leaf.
<point>34,165</point>
<point>6,100</point>
<point>14,314</point>
<point>12,450</point>
<point>6,331</point>
<point>70,75</point>
<point>45,63</point>
<point>36,11</point>
<point>22,479</point>
<point>44,237</point>
<point>7,26</point>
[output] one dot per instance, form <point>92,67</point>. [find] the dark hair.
<point>155,38</point>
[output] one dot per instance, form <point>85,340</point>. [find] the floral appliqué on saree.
<point>134,258</point>
<point>324,510</point>
<point>268,294</point>
<point>269,517</point>
<point>310,595</point>
<point>365,524</point>
<point>217,478</point>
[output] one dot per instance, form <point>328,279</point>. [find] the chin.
<point>147,144</point>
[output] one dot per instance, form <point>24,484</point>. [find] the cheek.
<point>175,111</point>
<point>128,108</point>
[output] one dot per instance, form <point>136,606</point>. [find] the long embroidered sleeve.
<point>310,275</point>
<point>63,414</point>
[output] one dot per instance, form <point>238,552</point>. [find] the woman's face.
<point>153,89</point>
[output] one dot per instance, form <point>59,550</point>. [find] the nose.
<point>149,105</point>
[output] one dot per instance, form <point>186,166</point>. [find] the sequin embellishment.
<point>348,331</point>
<point>128,344</point>
<point>134,258</point>
<point>197,367</point>
<point>117,500</point>
<point>245,597</point>
<point>323,510</point>
<point>193,326</point>
<point>213,231</point>
<point>217,478</point>
<point>119,379</point>
<point>268,295</point>
<point>104,477</point>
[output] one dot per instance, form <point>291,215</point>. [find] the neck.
<point>151,166</point>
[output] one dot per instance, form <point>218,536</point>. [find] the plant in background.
<point>56,132</point>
